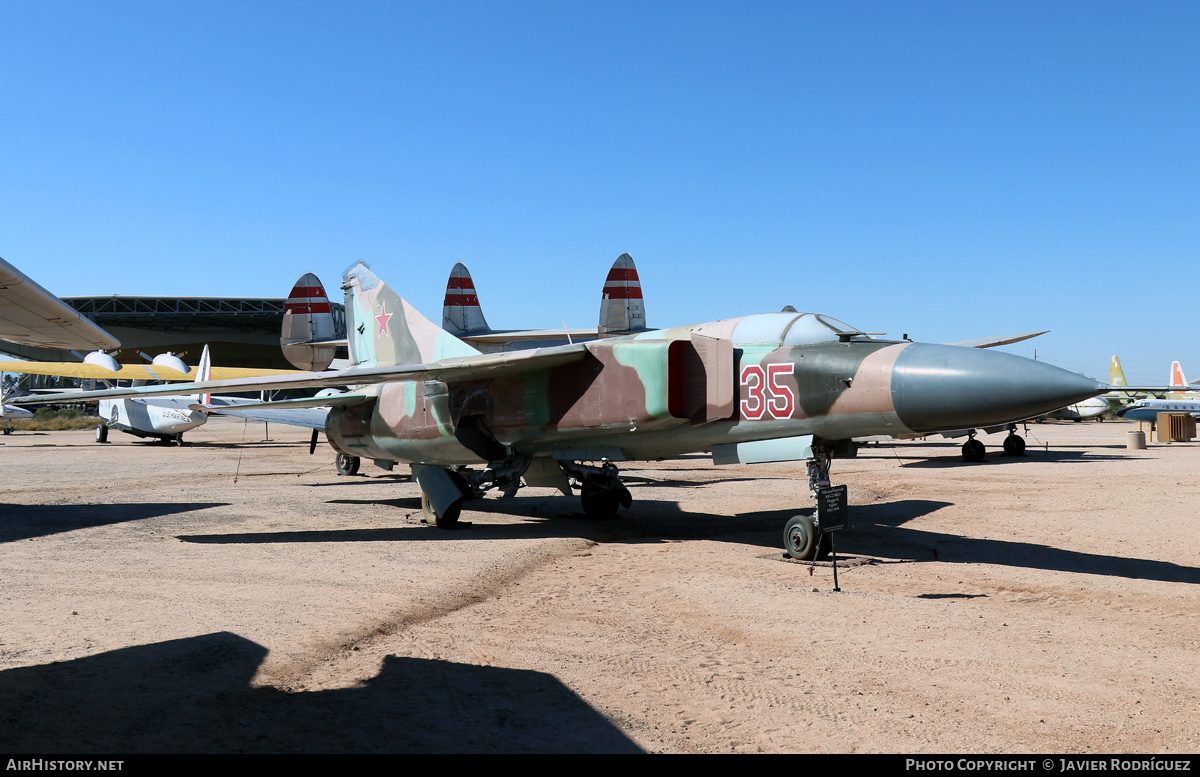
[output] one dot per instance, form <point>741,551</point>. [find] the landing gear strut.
<point>802,536</point>
<point>443,490</point>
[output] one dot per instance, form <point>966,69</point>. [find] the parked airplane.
<point>9,413</point>
<point>1094,407</point>
<point>770,387</point>
<point>30,315</point>
<point>622,311</point>
<point>1148,409</point>
<point>164,418</point>
<point>1182,399</point>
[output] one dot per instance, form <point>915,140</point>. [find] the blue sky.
<point>949,170</point>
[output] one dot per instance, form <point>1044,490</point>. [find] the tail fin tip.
<point>622,308</point>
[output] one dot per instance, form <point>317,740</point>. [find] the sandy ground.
<point>226,597</point>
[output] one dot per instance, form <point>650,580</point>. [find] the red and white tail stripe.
<point>460,289</point>
<point>622,281</point>
<point>461,312</point>
<point>621,306</point>
<point>308,296</point>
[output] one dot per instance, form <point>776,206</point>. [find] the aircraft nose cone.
<point>948,387</point>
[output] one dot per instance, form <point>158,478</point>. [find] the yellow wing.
<point>131,371</point>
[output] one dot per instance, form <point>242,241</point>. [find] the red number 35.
<point>764,394</point>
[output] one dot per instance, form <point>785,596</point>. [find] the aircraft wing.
<point>527,335</point>
<point>30,315</point>
<point>130,371</point>
<point>992,342</point>
<point>456,369</point>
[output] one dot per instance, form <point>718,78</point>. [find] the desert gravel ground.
<point>237,595</point>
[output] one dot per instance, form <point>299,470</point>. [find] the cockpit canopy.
<point>790,329</point>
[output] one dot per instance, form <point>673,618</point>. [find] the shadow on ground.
<point>194,696</point>
<point>22,522</point>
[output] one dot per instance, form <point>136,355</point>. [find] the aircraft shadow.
<point>1032,456</point>
<point>877,530</point>
<point>675,483</point>
<point>194,696</point>
<point>545,517</point>
<point>22,522</point>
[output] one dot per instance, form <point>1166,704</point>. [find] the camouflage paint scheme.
<point>783,386</point>
<point>790,374</point>
<point>770,387</point>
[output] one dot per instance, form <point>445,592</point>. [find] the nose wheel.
<point>347,465</point>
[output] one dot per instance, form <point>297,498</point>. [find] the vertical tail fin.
<point>384,330</point>
<point>204,372</point>
<point>308,320</point>
<point>621,306</point>
<point>461,313</point>
<point>1116,375</point>
<point>1178,381</point>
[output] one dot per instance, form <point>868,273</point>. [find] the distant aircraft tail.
<point>308,334</point>
<point>384,330</point>
<point>203,373</point>
<point>1116,375</point>
<point>1178,381</point>
<point>461,313</point>
<point>622,308</point>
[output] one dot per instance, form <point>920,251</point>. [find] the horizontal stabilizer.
<point>337,400</point>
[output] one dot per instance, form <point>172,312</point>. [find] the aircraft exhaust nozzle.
<point>622,308</point>
<point>307,320</point>
<point>938,388</point>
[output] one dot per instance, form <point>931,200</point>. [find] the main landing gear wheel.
<point>347,465</point>
<point>445,521</point>
<point>600,501</point>
<point>1014,445</point>
<point>101,433</point>
<point>973,450</point>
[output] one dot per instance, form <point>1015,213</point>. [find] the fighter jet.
<point>768,387</point>
<point>622,311</point>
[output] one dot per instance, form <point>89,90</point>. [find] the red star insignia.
<point>382,321</point>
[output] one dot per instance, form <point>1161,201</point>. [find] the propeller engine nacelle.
<point>171,362</point>
<point>101,359</point>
